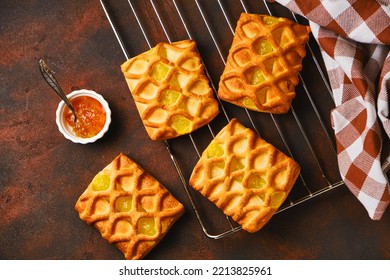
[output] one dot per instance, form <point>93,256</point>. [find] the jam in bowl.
<point>93,117</point>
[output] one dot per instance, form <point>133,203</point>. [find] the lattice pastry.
<point>129,207</point>
<point>170,89</point>
<point>243,175</point>
<point>263,64</point>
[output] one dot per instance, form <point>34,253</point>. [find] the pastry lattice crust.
<point>129,207</point>
<point>170,89</point>
<point>243,175</point>
<point>263,64</point>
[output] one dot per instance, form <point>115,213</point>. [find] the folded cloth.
<point>354,38</point>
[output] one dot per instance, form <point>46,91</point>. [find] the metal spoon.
<point>51,80</point>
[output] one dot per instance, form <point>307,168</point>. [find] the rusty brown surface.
<point>42,174</point>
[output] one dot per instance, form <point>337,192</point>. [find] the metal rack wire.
<point>303,131</point>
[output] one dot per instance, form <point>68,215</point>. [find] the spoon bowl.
<point>67,131</point>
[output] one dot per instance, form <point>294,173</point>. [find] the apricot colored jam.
<point>91,116</point>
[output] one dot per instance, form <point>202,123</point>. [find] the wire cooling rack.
<point>304,133</point>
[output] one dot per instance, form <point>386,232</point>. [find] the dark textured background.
<point>42,174</point>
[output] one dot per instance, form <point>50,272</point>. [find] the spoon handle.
<point>51,80</point>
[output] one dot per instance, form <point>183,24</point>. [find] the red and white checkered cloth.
<point>354,37</point>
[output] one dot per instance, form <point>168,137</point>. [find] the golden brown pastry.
<point>243,175</point>
<point>129,207</point>
<point>264,60</point>
<point>170,89</point>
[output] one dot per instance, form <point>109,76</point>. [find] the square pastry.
<point>129,207</point>
<point>264,60</point>
<point>244,176</point>
<point>170,89</point>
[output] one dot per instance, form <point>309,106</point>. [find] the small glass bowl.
<point>67,131</point>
